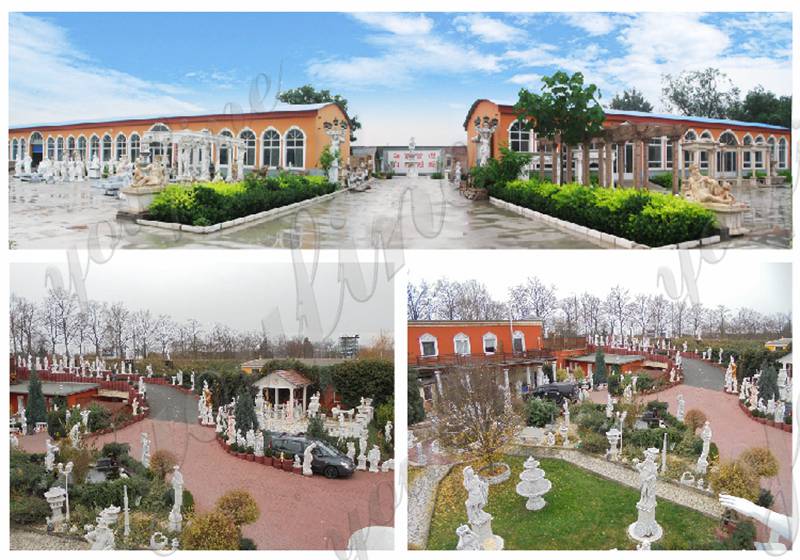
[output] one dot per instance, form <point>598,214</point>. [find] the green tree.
<point>600,375</point>
<point>416,409</point>
<point>245,411</point>
<point>308,94</point>
<point>764,106</point>
<point>768,383</point>
<point>35,411</point>
<point>631,100</point>
<point>567,111</point>
<point>700,93</point>
<point>354,379</point>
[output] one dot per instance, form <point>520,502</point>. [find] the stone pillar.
<point>637,162</point>
<point>305,389</point>
<point>675,164</point>
<point>568,168</point>
<point>768,167</point>
<point>738,166</point>
<point>541,164</point>
<point>621,164</point>
<point>609,165</point>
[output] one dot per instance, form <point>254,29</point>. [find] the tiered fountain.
<point>534,485</point>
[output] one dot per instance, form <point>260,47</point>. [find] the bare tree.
<point>446,299</point>
<point>95,325</point>
<point>477,304</point>
<point>571,309</point>
<point>616,305</point>
<point>418,301</point>
<point>591,311</point>
<point>194,333</point>
<point>476,414</point>
<point>533,299</point>
<point>721,314</point>
<point>144,326</point>
<point>658,314</point>
<point>116,325</point>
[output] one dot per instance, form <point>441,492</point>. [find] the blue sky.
<point>404,74</point>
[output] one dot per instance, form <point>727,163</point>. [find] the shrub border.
<point>263,216</point>
<point>610,241</point>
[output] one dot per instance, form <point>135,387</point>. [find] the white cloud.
<point>50,80</point>
<point>530,81</point>
<point>399,24</point>
<point>594,24</point>
<point>487,29</point>
<point>400,58</point>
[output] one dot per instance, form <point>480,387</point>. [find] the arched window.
<point>22,151</point>
<point>489,343</point>
<point>518,341</point>
<point>519,139</point>
<point>461,344</point>
<point>121,146</point>
<point>271,145</point>
<point>224,148</point>
<point>759,153</point>
<point>70,147</point>
<point>14,150</point>
<point>159,127</point>
<point>51,148</point>
<point>60,148</point>
<point>82,148</point>
<point>295,156</point>
<point>107,147</point>
<point>428,345</point>
<point>135,146</point>
<point>689,136</point>
<point>727,160</point>
<point>746,154</point>
<point>773,149</point>
<point>250,147</point>
<point>782,153</point>
<point>94,147</point>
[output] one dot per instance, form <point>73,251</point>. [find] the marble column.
<point>637,162</point>
<point>621,164</point>
<point>675,163</point>
<point>601,163</point>
<point>738,153</point>
<point>609,165</point>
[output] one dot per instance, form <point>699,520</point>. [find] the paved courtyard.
<point>297,512</point>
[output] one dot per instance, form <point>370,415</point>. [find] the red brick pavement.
<point>733,432</point>
<point>297,512</point>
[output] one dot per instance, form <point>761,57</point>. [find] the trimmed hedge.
<point>642,216</point>
<point>206,204</point>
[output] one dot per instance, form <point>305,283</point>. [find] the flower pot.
<point>297,470</point>
<point>251,457</point>
<point>267,461</point>
<point>287,465</point>
<point>771,423</point>
<point>787,427</point>
<point>260,459</point>
<point>276,462</point>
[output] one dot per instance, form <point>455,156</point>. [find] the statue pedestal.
<point>487,539</point>
<point>645,529</point>
<point>93,174</point>
<point>138,199</point>
<point>729,216</point>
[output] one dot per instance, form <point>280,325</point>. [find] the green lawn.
<point>583,512</point>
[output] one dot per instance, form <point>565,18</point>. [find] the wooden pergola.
<point>639,134</point>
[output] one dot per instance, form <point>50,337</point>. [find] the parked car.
<point>327,460</point>
<point>557,392</point>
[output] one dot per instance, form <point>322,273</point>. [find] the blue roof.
<point>695,119</point>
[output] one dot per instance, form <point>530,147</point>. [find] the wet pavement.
<point>398,213</point>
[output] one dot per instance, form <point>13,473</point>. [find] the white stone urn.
<point>730,216</point>
<point>533,485</point>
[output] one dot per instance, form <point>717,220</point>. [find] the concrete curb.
<point>264,216</point>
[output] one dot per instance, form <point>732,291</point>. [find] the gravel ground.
<point>421,500</point>
<point>22,539</point>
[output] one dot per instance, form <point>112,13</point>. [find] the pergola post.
<point>585,179</point>
<point>609,165</point>
<point>675,162</point>
<point>601,163</point>
<point>541,164</point>
<point>637,162</point>
<point>568,158</point>
<point>768,166</point>
<point>620,163</point>
<point>305,390</point>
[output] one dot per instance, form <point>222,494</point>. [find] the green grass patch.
<point>642,216</point>
<point>583,512</point>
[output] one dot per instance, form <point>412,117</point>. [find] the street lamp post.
<point>66,470</point>
<point>336,131</point>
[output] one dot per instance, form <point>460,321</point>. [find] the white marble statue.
<point>646,528</point>
<point>374,458</point>
<point>702,461</point>
<point>145,440</point>
<point>50,455</point>
<point>75,435</point>
<point>175,516</point>
<point>308,458</point>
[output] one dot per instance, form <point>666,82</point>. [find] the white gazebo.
<point>285,379</point>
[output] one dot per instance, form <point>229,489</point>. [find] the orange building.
<point>438,339</point>
<point>289,137</point>
<point>658,155</point>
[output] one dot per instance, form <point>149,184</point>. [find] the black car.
<point>557,392</point>
<point>327,460</point>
